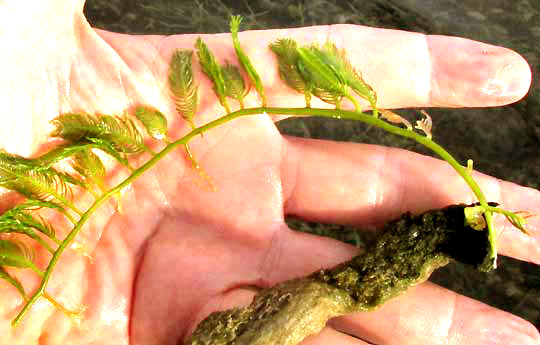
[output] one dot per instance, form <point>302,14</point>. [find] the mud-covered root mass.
<point>406,252</point>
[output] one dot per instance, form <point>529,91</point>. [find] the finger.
<point>329,336</point>
<point>288,255</point>
<point>429,314</point>
<point>20,16</point>
<point>406,69</point>
<point>42,37</point>
<point>293,254</point>
<point>368,185</point>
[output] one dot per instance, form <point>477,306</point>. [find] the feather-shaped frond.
<point>43,184</point>
<point>235,87</point>
<point>337,60</point>
<point>327,96</point>
<point>315,70</point>
<point>62,152</point>
<point>90,168</point>
<point>11,225</point>
<point>519,220</point>
<point>120,132</point>
<point>213,71</point>
<point>244,59</point>
<point>4,275</point>
<point>16,254</point>
<point>67,178</point>
<point>287,55</point>
<point>38,223</point>
<point>329,74</point>
<point>17,220</point>
<point>155,122</point>
<point>182,84</point>
<point>108,148</point>
<point>17,162</point>
<point>32,205</point>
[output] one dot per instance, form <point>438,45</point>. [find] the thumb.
<point>32,15</point>
<point>38,40</point>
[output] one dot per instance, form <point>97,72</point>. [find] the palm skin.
<point>176,251</point>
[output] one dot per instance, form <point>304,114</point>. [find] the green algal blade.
<point>154,121</point>
<point>286,51</point>
<point>4,275</point>
<point>244,59</point>
<point>182,84</point>
<point>16,254</point>
<point>336,59</point>
<point>119,131</point>
<point>314,68</point>
<point>235,87</point>
<point>213,70</point>
<point>90,168</point>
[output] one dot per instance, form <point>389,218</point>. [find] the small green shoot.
<point>244,59</point>
<point>326,84</point>
<point>17,174</point>
<point>90,168</point>
<point>4,275</point>
<point>184,90</point>
<point>213,70</point>
<point>155,122</point>
<point>186,95</point>
<point>286,51</point>
<point>327,72</point>
<point>119,131</point>
<point>235,87</point>
<point>470,167</point>
<point>18,254</point>
<point>517,219</point>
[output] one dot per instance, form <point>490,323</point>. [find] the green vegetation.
<point>405,253</point>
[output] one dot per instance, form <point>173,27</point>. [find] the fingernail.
<point>510,78</point>
<point>474,74</point>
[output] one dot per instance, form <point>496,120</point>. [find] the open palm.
<point>176,250</point>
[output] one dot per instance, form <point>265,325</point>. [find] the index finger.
<point>406,69</point>
<point>368,185</point>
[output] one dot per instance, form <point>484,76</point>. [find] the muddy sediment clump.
<point>406,252</point>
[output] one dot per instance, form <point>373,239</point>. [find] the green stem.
<point>148,150</point>
<point>191,157</point>
<point>44,244</point>
<point>37,270</point>
<point>225,104</point>
<point>331,113</point>
<point>67,203</point>
<point>354,102</point>
<point>307,96</point>
<point>70,217</point>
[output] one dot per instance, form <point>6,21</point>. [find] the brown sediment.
<point>406,252</point>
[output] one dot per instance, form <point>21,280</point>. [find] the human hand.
<point>177,252</point>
